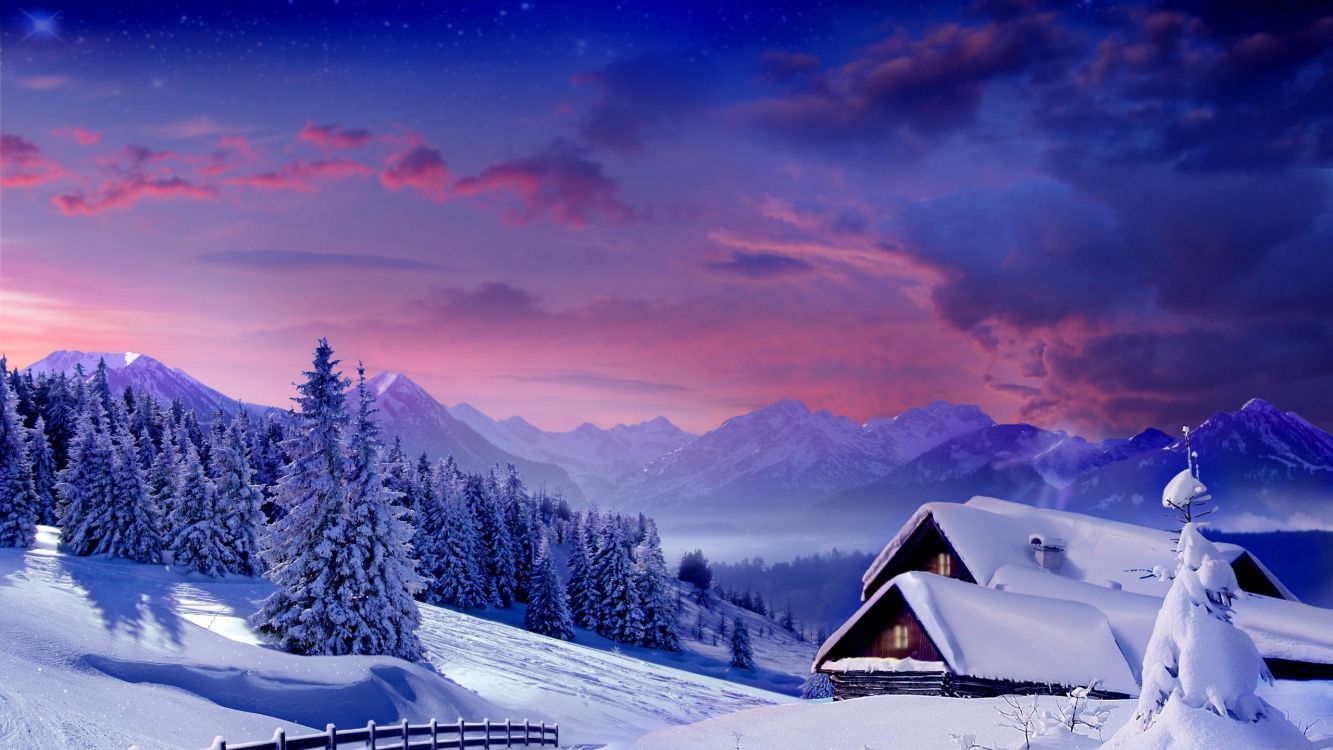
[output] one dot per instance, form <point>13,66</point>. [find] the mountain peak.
<point>1260,406</point>
<point>398,385</point>
<point>791,406</point>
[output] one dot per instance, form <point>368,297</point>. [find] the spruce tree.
<point>304,615</point>
<point>135,524</point>
<point>44,476</point>
<point>496,549</point>
<point>379,573</point>
<point>239,498</point>
<point>742,653</point>
<point>661,626</point>
<point>18,498</point>
<point>520,518</point>
<point>619,614</point>
<point>582,593</point>
<point>429,491</point>
<point>201,541</point>
<point>161,481</point>
<point>58,408</point>
<point>458,579</point>
<point>548,608</point>
<point>85,489</point>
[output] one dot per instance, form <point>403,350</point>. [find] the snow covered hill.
<point>101,654</point>
<point>407,411</point>
<point>145,375</point>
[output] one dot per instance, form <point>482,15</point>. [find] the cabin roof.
<point>989,534</point>
<point>989,633</point>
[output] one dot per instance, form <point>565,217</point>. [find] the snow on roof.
<point>988,633</point>
<point>1287,630</point>
<point>989,533</point>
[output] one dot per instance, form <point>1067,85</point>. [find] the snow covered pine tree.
<point>742,654</point>
<point>548,610</point>
<point>18,498</point>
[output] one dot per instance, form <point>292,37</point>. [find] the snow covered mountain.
<point>409,412</point>
<point>785,455</point>
<point>597,459</point>
<point>145,375</point>
<point>1267,469</point>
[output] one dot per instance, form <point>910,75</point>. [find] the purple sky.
<point>1091,216</point>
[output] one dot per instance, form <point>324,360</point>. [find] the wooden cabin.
<point>994,560</point>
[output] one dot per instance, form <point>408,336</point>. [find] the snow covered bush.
<point>1200,671</point>
<point>817,686</point>
<point>742,653</point>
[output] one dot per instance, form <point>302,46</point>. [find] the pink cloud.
<point>22,163</point>
<point>420,168</point>
<point>560,183</point>
<point>81,136</point>
<point>117,194</point>
<point>45,83</point>
<point>334,137</point>
<point>302,175</point>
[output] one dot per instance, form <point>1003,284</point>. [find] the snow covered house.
<point>989,597</point>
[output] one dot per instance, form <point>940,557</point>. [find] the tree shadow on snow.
<point>142,607</point>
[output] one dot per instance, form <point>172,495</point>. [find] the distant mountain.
<point>424,424</point>
<point>1266,469</point>
<point>784,456</point>
<point>144,374</point>
<point>597,459</point>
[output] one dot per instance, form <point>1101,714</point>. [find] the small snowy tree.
<point>44,477</point>
<point>241,499</point>
<point>742,653</point>
<point>582,593</point>
<point>458,580</point>
<point>380,575</point>
<point>548,608</point>
<point>161,485</point>
<point>661,626</point>
<point>135,526</point>
<point>201,531</point>
<point>18,499</point>
<point>619,611</point>
<point>1200,671</point>
<point>86,487</point>
<point>817,686</point>
<point>496,549</point>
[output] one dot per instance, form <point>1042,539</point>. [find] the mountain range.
<point>783,466</point>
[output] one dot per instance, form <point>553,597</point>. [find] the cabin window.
<point>901,638</point>
<point>943,564</point>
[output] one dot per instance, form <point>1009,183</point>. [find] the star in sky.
<point>42,25</point>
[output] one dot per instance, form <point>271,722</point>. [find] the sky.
<point>1085,215</point>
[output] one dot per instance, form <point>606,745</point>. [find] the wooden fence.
<point>404,736</point>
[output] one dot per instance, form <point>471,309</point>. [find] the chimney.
<point>1049,552</point>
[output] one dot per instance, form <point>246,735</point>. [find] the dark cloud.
<point>271,260</point>
<point>334,137</point>
<point>561,182</point>
<point>782,66</point>
<point>905,92</point>
<point>421,168</point>
<point>641,98</point>
<point>22,163</point>
<point>758,266</point>
<point>492,301</point>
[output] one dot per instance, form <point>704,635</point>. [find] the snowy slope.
<point>107,654</point>
<point>894,722</point>
<point>407,411</point>
<point>145,375</point>
<point>149,657</point>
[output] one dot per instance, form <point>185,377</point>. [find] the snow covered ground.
<point>99,653</point>
<point>892,722</point>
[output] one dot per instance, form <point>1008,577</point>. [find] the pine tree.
<point>86,490</point>
<point>240,499</point>
<point>135,523</point>
<point>304,614</point>
<point>742,654</point>
<point>162,483</point>
<point>429,492</point>
<point>619,614</point>
<point>380,574</point>
<point>661,626</point>
<point>44,476</point>
<point>548,610</point>
<point>18,498</point>
<point>458,577</point>
<point>520,518</point>
<point>201,541</point>
<point>582,593</point>
<point>495,550</point>
<point>58,408</point>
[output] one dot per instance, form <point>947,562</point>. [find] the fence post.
<point>280,738</point>
<point>527,732</point>
<point>486,725</point>
<point>333,737</point>
<point>557,736</point>
<point>509,733</point>
<point>406,744</point>
<point>434,734</point>
<point>541,741</point>
<point>462,734</point>
<point>370,729</point>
